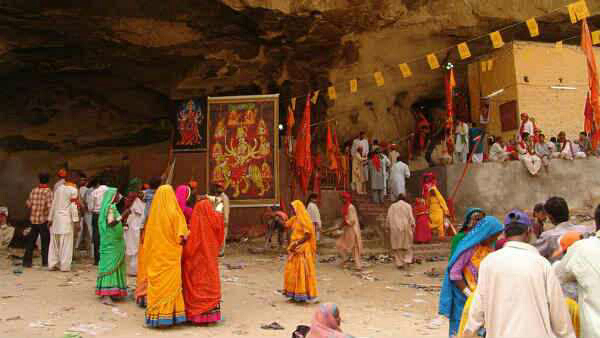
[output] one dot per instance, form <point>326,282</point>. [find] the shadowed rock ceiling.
<point>101,73</point>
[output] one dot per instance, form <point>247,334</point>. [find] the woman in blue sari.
<point>472,217</point>
<point>465,260</point>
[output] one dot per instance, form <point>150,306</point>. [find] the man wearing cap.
<point>518,294</point>
<point>557,210</point>
<point>581,264</point>
<point>62,174</point>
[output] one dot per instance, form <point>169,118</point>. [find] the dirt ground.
<point>40,303</point>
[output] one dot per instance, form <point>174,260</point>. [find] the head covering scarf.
<point>469,214</point>
<point>461,234</point>
<point>62,173</point>
<point>429,180</point>
<point>201,282</point>
<point>347,201</point>
<point>452,300</point>
<point>324,324</point>
<point>303,217</point>
<point>182,194</point>
<point>376,161</point>
<point>135,184</point>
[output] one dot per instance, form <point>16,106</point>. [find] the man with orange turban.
<point>62,174</point>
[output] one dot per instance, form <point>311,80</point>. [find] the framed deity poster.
<point>243,154</point>
<point>190,125</point>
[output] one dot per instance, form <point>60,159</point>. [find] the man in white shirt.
<point>63,220</point>
<point>134,217</point>
<point>461,146</point>
<point>498,151</point>
<point>97,196</point>
<point>581,264</point>
<point>526,126</point>
<point>313,212</point>
<point>398,175</point>
<point>518,294</point>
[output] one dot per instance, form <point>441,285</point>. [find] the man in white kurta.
<point>400,224</point>
<point>461,146</point>
<point>63,218</point>
<point>581,264</point>
<point>315,215</point>
<point>518,294</point>
<point>398,175</point>
<point>132,235</point>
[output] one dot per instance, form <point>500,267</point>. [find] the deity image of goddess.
<point>232,119</point>
<point>265,146</point>
<point>220,130</point>
<point>250,117</point>
<point>262,128</point>
<point>188,121</point>
<point>217,150</point>
<point>265,170</point>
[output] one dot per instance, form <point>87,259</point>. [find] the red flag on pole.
<point>303,153</point>
<point>592,119</point>
<point>333,165</point>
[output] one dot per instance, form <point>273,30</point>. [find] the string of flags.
<point>577,11</point>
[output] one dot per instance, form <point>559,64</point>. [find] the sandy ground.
<point>47,304</point>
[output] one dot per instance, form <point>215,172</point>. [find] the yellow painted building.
<point>548,83</point>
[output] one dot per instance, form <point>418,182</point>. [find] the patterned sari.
<point>300,276</point>
<point>162,260</point>
<point>112,274</point>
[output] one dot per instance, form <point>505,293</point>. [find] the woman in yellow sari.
<point>165,232</point>
<point>436,204</point>
<point>300,276</point>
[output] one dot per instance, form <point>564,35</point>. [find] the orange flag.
<point>331,150</point>
<point>593,121</point>
<point>303,153</point>
<point>290,121</point>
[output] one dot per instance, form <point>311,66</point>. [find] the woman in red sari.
<point>423,233</point>
<point>201,281</point>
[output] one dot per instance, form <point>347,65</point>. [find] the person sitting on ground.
<point>565,150</point>
<point>6,231</point>
<point>276,223</point>
<point>581,264</point>
<point>584,145</point>
<point>554,142</point>
<point>472,217</point>
<point>511,148</point>
<point>557,210</point>
<point>498,152</point>
<point>517,294</point>
<point>461,276</point>
<point>544,150</point>
<point>526,155</point>
<point>326,323</point>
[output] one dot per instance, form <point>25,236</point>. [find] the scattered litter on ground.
<point>41,324</point>
<point>13,318</point>
<point>91,329</point>
<point>424,287</point>
<point>68,334</point>
<point>436,259</point>
<point>255,251</point>
<point>329,259</point>
<point>382,259</point>
<point>433,273</point>
<point>231,279</point>
<point>18,270</point>
<point>435,323</point>
<point>118,312</point>
<point>366,275</point>
<point>272,326</point>
<point>235,266</point>
<point>392,288</point>
<point>418,300</point>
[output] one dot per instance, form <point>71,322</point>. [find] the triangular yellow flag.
<point>533,27</point>
<point>293,103</point>
<point>463,50</point>
<point>496,38</point>
<point>433,61</point>
<point>596,37</point>
<point>490,64</point>
<point>315,97</point>
<point>483,66</point>
<point>581,10</point>
<point>572,15</point>
<point>378,79</point>
<point>405,70</point>
<point>558,44</point>
<point>331,93</point>
<point>353,86</point>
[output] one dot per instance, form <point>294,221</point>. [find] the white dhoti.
<point>532,162</point>
<point>132,244</point>
<point>60,254</point>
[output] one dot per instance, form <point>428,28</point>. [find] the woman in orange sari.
<point>201,282</point>
<point>165,232</point>
<point>300,276</point>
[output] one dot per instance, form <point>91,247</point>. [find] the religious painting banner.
<point>190,125</point>
<point>243,155</point>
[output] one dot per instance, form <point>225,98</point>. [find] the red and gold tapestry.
<point>243,137</point>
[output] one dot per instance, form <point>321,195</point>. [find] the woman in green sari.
<point>111,281</point>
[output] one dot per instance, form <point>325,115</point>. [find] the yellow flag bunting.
<point>331,93</point>
<point>353,86</point>
<point>496,38</point>
<point>463,51</point>
<point>379,79</point>
<point>533,27</point>
<point>405,70</point>
<point>572,15</point>
<point>433,61</point>
<point>596,37</point>
<point>581,10</point>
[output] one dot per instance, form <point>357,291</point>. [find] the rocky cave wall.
<point>85,83</point>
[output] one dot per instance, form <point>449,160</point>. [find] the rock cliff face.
<point>98,74</point>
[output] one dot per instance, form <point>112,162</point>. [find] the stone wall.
<point>499,187</point>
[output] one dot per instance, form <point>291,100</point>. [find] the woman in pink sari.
<point>183,194</point>
<point>326,323</point>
